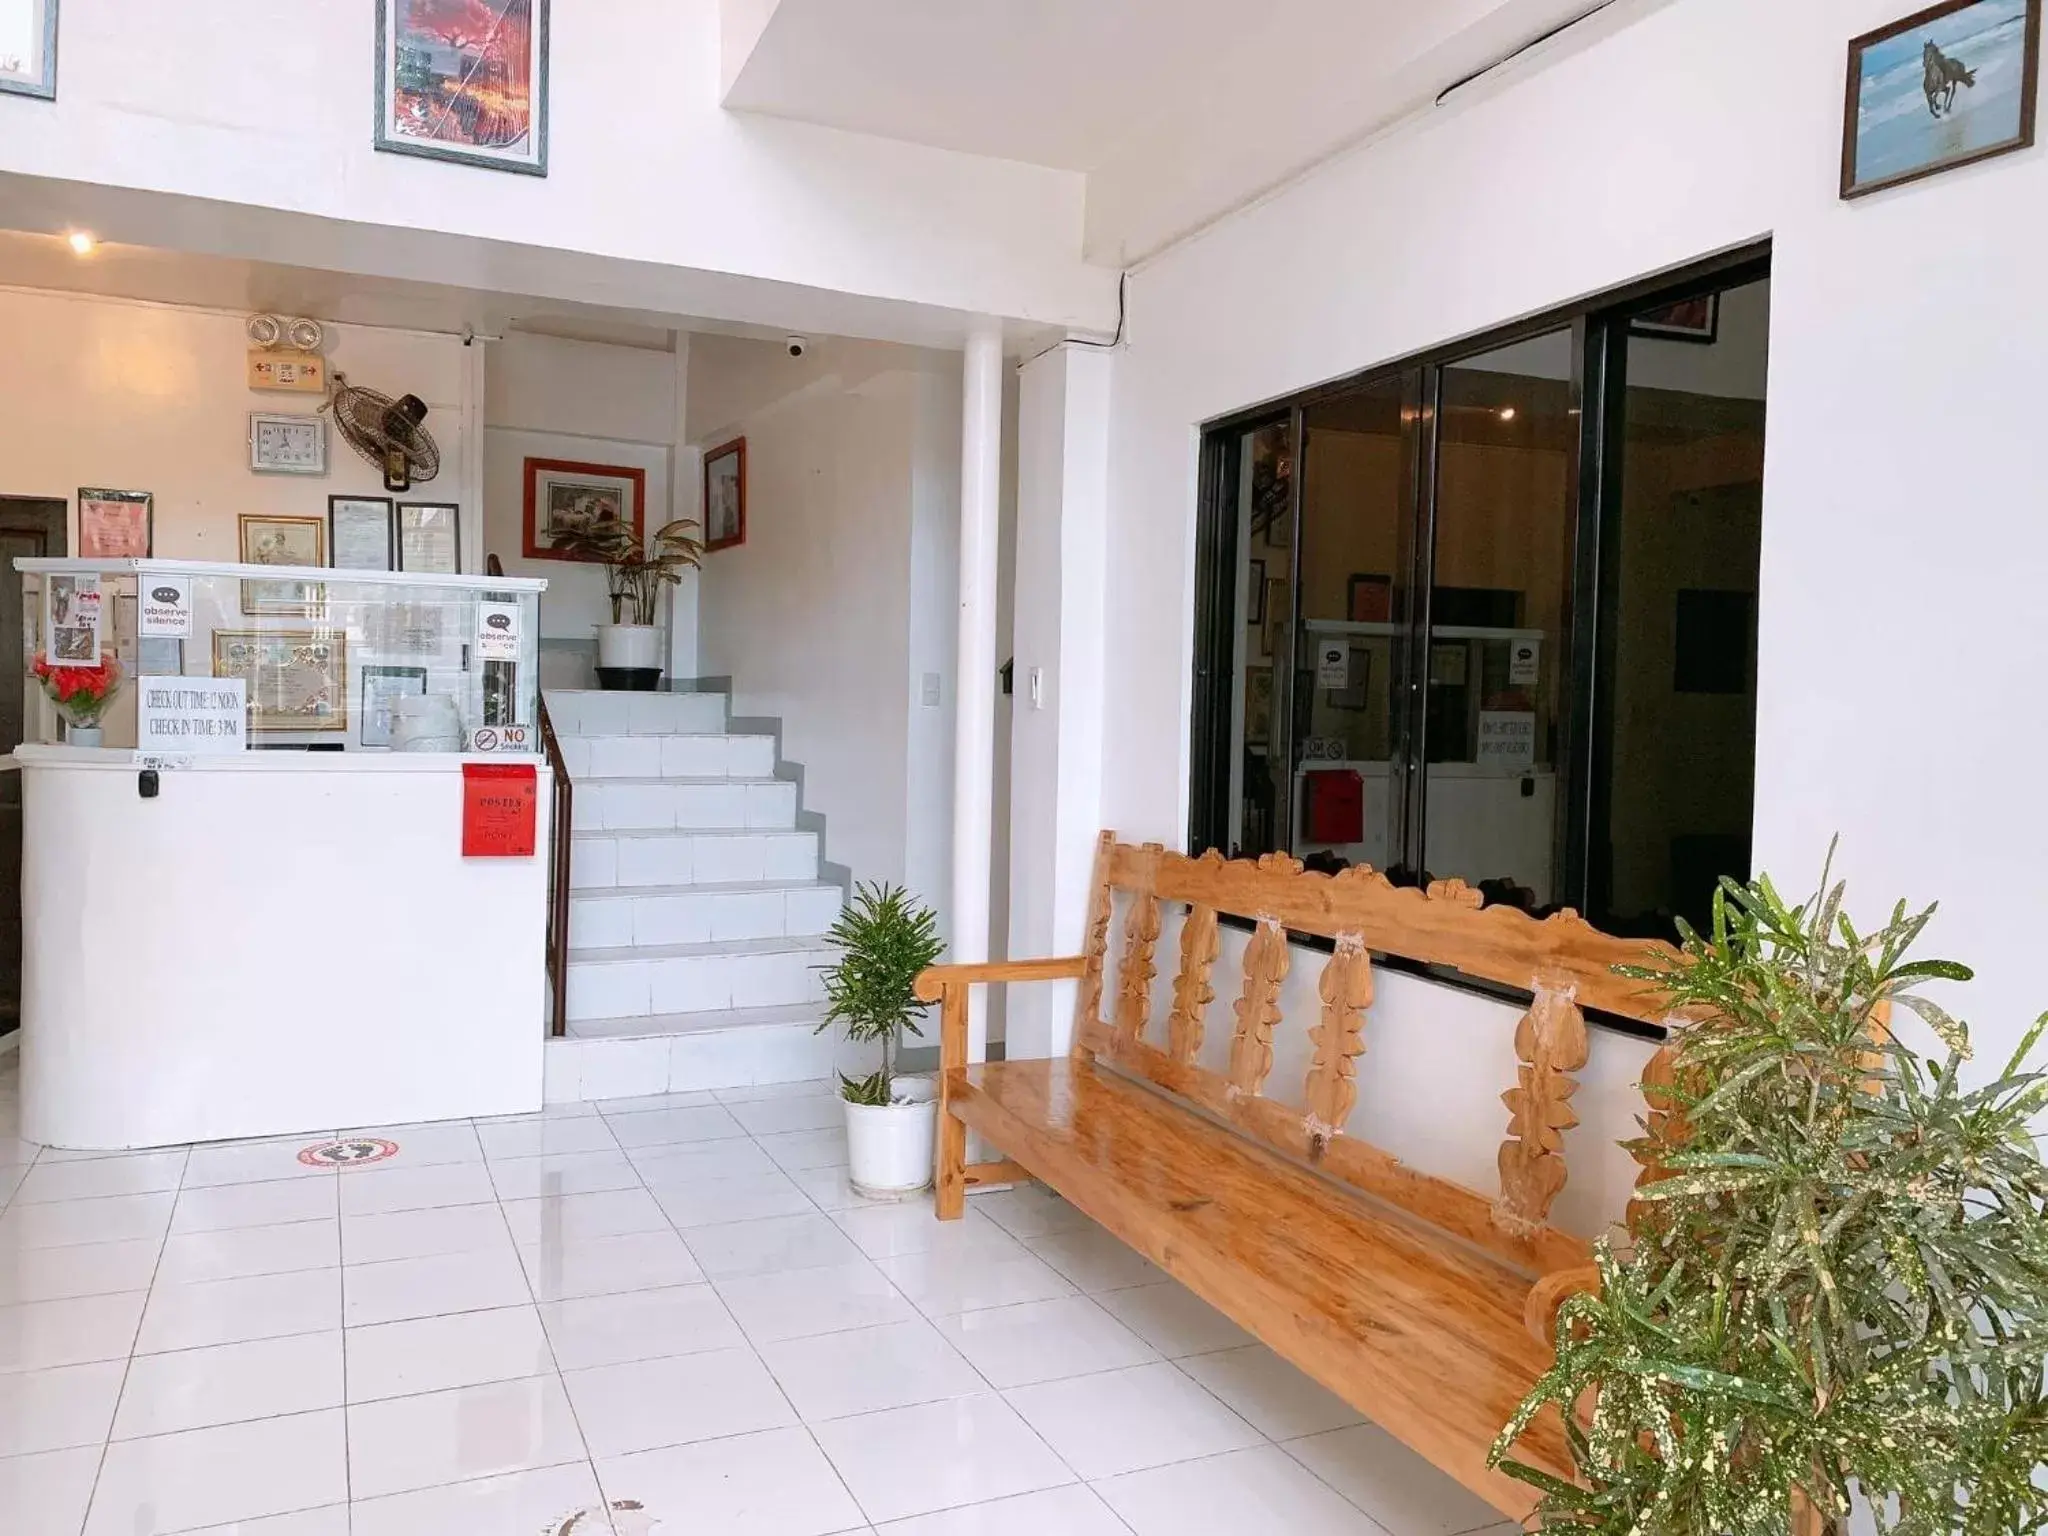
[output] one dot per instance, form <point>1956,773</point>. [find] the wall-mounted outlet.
<point>931,690</point>
<point>1038,687</point>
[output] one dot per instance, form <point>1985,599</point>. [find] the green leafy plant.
<point>1839,1280</point>
<point>634,573</point>
<point>885,937</point>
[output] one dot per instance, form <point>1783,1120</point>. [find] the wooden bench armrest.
<point>1548,1296</point>
<point>933,981</point>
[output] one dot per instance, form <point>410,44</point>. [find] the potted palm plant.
<point>1836,1288</point>
<point>885,937</point>
<point>635,573</point>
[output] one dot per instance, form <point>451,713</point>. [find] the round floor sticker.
<point>349,1152</point>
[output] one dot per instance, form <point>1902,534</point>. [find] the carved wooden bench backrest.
<point>1564,962</point>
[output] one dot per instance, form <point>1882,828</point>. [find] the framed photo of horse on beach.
<point>1947,87</point>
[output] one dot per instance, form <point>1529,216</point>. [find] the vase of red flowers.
<point>81,694</point>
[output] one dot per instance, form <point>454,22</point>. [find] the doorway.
<point>30,528</point>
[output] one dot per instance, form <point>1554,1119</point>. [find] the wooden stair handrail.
<point>558,853</point>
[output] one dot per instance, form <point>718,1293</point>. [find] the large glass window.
<point>1492,616</point>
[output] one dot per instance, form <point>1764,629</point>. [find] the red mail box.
<point>1333,806</point>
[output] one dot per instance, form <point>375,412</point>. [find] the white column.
<point>974,727</point>
<point>685,487</point>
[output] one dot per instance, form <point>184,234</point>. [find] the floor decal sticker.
<point>348,1153</point>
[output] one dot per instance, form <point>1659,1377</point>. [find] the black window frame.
<point>1600,332</point>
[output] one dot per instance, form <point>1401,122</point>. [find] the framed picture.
<point>1258,706</point>
<point>1696,320</point>
<point>297,678</point>
<point>1369,599</point>
<point>430,537</point>
<point>1258,593</point>
<point>563,496</point>
<point>28,48</point>
<point>287,445</point>
<point>1946,87</point>
<point>725,495</point>
<point>464,80</point>
<point>300,541</point>
<point>380,685</point>
<point>359,532</point>
<point>114,525</point>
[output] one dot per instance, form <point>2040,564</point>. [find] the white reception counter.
<point>275,943</point>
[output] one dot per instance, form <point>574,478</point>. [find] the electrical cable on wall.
<point>1123,283</point>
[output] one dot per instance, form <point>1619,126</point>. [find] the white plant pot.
<point>889,1146</point>
<point>82,735</point>
<point>629,645</point>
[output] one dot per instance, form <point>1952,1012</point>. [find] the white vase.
<point>634,646</point>
<point>889,1146</point>
<point>81,735</point>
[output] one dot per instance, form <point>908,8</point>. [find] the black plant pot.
<point>629,679</point>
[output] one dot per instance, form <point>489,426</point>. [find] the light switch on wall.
<point>1038,687</point>
<point>931,690</point>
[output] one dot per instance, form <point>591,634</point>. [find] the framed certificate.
<point>300,541</point>
<point>429,537</point>
<point>380,686</point>
<point>359,532</point>
<point>114,525</point>
<point>297,678</point>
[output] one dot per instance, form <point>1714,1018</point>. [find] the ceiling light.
<point>1507,413</point>
<point>83,243</point>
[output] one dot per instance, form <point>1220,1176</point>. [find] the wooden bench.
<point>1422,1303</point>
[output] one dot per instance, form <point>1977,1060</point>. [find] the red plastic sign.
<point>498,810</point>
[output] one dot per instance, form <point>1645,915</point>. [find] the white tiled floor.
<point>676,1301</point>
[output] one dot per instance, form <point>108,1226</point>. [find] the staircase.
<point>696,914</point>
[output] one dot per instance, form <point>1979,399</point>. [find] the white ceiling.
<point>1178,110</point>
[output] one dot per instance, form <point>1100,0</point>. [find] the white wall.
<point>1903,554</point>
<point>120,395</point>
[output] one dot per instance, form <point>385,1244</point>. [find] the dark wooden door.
<point>29,526</point>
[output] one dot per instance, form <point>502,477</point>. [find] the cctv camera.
<point>797,346</point>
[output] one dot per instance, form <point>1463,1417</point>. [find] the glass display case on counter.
<point>301,658</point>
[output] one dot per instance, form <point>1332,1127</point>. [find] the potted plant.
<point>884,938</point>
<point>1837,1280</point>
<point>81,694</point>
<point>634,576</point>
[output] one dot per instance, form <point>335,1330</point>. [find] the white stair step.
<point>680,756</point>
<point>694,978</point>
<point>598,860</point>
<point>708,1022</point>
<point>595,712</point>
<point>690,1053</point>
<point>622,916</point>
<point>686,805</point>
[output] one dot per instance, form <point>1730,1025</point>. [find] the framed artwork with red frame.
<point>563,496</point>
<point>725,495</point>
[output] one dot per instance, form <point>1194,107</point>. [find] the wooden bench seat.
<point>1420,1302</point>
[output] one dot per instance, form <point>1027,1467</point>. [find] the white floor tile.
<point>1029,1210</point>
<point>547,1137</point>
<point>807,1149</point>
<point>422,1146</point>
<point>767,1117</point>
<point>1391,1483</point>
<point>236,1311</point>
<point>517,1504</point>
<point>255,1205</point>
<point>760,1247</point>
<point>889,1462</point>
<point>422,1234</point>
<point>49,1492</point>
<point>14,1152</point>
<point>1070,1511</point>
<point>802,1303</point>
<point>652,1403</point>
<point>435,1354</point>
<point>230,1383</point>
<point>39,1335</point>
<point>698,1161</point>
<point>640,1105</point>
<point>944,1283</point>
<point>141,1173</point>
<point>10,1180</point>
<point>1122,1421</point>
<point>1173,1319</point>
<point>1251,1490</point>
<point>672,1127</point>
<point>566,1217</point>
<point>119,1219</point>
<point>375,1191</point>
<point>607,1266</point>
<point>755,1093</point>
<point>1271,1395</point>
<point>562,1173</point>
<point>776,1483</point>
<point>81,1269</point>
<point>639,1325</point>
<point>831,1188</point>
<point>716,1201</point>
<point>238,1252</point>
<point>887,1231</point>
<point>1044,1341</point>
<point>1094,1260</point>
<point>56,1409</point>
<point>332,1520</point>
<point>437,1438</point>
<point>431,1287</point>
<point>211,1477</point>
<point>831,1375</point>
<point>252,1162</point>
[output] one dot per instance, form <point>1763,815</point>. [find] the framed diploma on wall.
<point>430,537</point>
<point>359,532</point>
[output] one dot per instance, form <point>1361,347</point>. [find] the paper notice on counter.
<point>497,631</point>
<point>166,607</point>
<point>73,638</point>
<point>191,716</point>
<point>1333,663</point>
<point>1525,663</point>
<point>1507,741</point>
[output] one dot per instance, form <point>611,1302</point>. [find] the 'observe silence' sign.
<point>192,715</point>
